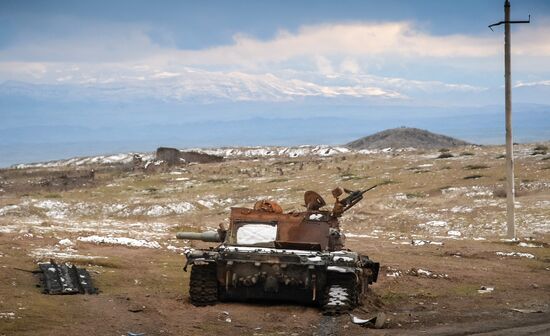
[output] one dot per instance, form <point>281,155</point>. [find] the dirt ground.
<point>436,230</point>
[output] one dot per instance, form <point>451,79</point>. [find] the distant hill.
<point>405,137</point>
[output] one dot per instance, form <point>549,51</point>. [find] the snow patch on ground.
<point>80,161</point>
<point>420,242</point>
<point>66,242</point>
<point>461,209</point>
<point>7,209</point>
<point>211,201</point>
<point>120,241</point>
<point>426,274</point>
<point>56,252</point>
<point>454,233</point>
<point>516,254</point>
<point>522,244</point>
<point>54,209</point>
<point>355,235</point>
<point>8,316</point>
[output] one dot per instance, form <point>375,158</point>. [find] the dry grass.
<point>432,191</point>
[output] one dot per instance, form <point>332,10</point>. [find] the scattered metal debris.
<point>224,316</point>
<point>377,322</point>
<point>136,309</point>
<point>527,311</point>
<point>64,279</point>
<point>485,289</point>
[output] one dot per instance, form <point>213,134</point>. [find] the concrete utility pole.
<point>510,188</point>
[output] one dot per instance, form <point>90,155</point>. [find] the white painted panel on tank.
<point>256,233</point>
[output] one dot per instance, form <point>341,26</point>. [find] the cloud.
<point>326,60</point>
<point>324,66</point>
<point>349,65</point>
<point>529,84</point>
<point>395,39</point>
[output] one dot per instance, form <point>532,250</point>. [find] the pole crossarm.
<point>503,22</point>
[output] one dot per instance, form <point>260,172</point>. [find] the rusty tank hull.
<point>269,255</point>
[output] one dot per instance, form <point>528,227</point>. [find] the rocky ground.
<point>436,225</point>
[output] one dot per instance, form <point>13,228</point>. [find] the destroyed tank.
<point>266,254</point>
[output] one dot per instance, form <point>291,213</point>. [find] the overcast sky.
<point>385,51</point>
<point>111,69</point>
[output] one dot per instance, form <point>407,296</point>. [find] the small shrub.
<point>444,150</point>
<point>218,180</point>
<point>445,155</point>
<point>501,156</point>
<point>541,148</point>
<point>466,154</point>
<point>348,177</point>
<point>499,192</point>
<point>473,177</point>
<point>474,167</point>
<point>386,181</point>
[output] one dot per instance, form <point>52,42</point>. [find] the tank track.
<point>203,287</point>
<point>341,295</point>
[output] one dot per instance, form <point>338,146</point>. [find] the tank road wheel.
<point>341,294</point>
<point>203,287</point>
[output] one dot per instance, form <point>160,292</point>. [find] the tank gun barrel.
<point>346,203</point>
<point>354,197</point>
<point>209,236</point>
